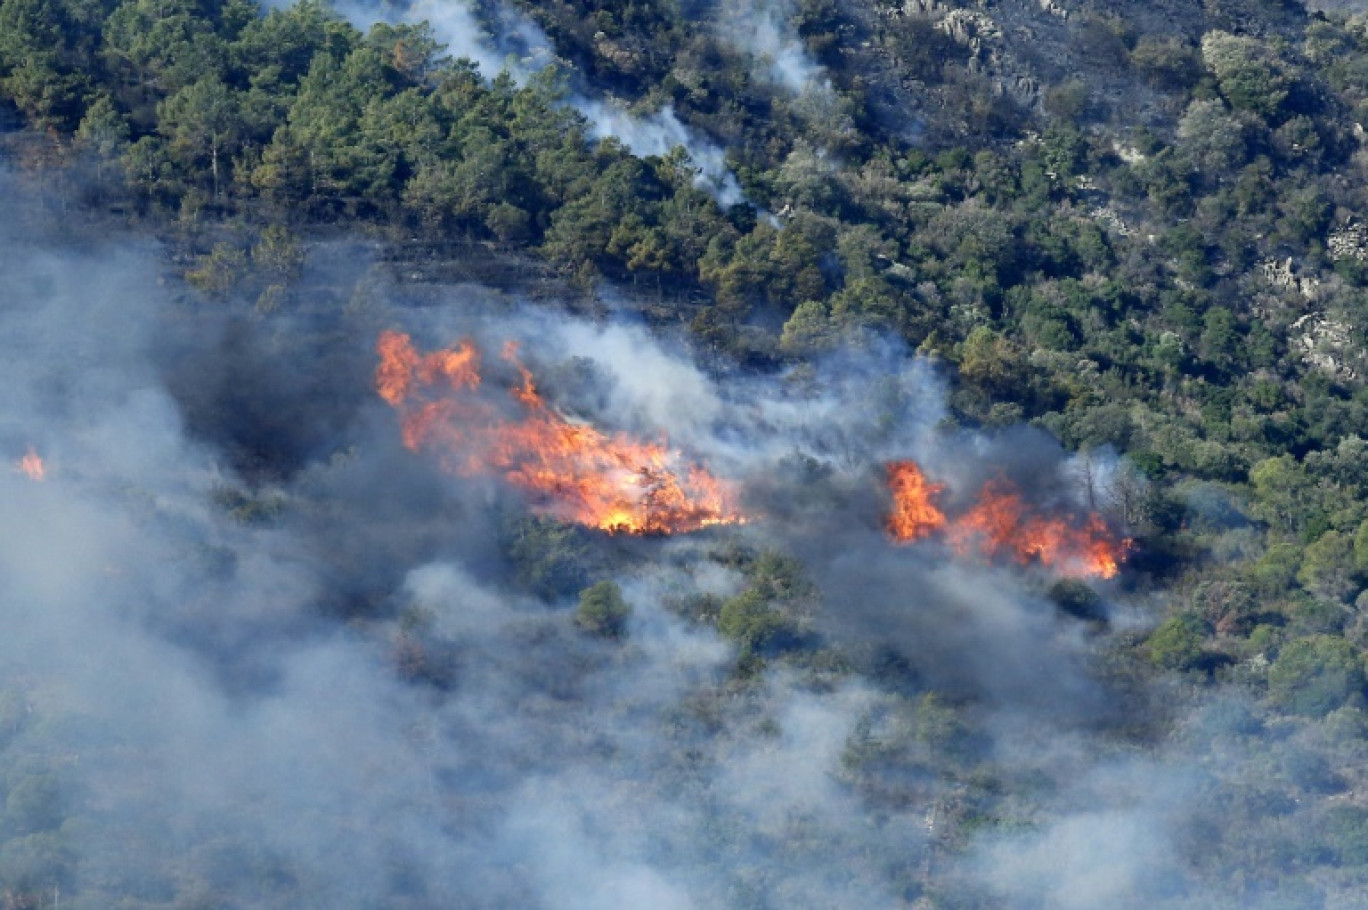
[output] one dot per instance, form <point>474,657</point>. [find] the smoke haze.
<point>258,654</point>
<point>764,30</point>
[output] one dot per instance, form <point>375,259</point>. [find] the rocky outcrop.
<point>1280,274</point>
<point>1325,344</point>
<point>1349,242</point>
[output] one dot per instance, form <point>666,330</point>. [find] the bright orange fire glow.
<point>1001,523</point>
<point>571,471</point>
<point>31,466</point>
<point>914,515</point>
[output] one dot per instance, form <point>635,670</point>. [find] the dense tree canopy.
<point>1156,250</point>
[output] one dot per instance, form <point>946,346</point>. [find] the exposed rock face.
<point>970,28</point>
<point>1111,221</point>
<point>922,8</point>
<point>1349,242</point>
<point>1325,344</point>
<point>1281,275</point>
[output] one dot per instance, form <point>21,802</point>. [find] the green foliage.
<point>1176,644</point>
<point>550,558</point>
<point>202,123</point>
<point>1316,675</point>
<point>750,621</point>
<point>1328,566</point>
<point>1283,492</point>
<point>766,617</point>
<point>602,610</point>
<point>1248,72</point>
<point>991,362</point>
<point>220,271</point>
<point>103,130</point>
<point>1077,599</point>
<point>278,252</point>
<point>1166,62</point>
<point>1103,279</point>
<point>1276,570</point>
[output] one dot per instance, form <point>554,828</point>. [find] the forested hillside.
<point>1106,262</point>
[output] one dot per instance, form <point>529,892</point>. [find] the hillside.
<point>683,454</point>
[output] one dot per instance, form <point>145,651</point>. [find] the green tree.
<point>602,610</point>
<point>550,557</point>
<point>749,620</point>
<point>287,38</point>
<point>1176,644</point>
<point>278,252</point>
<point>218,273</point>
<point>1284,496</point>
<point>1361,549</point>
<point>1316,675</point>
<point>45,47</point>
<point>103,134</point>
<point>201,122</point>
<point>1328,566</point>
<point>160,46</point>
<point>324,125</point>
<point>992,362</point>
<point>1274,573</point>
<point>810,329</point>
<point>1214,139</point>
<point>1167,63</point>
<point>1219,344</point>
<point>1248,71</point>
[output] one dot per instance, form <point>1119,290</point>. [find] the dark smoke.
<point>256,654</point>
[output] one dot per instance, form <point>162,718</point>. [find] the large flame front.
<point>31,465</point>
<point>1001,523</point>
<point>572,471</point>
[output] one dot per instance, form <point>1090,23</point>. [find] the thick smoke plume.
<point>258,653</point>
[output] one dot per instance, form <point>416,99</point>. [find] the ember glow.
<point>569,470</point>
<point>1000,523</point>
<point>31,466</point>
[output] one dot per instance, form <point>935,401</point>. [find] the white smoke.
<point>519,47</point>
<point>353,703</point>
<point>764,30</point>
<point>659,134</point>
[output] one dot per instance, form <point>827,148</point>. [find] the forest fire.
<point>571,471</point>
<point>914,516</point>
<point>1001,523</point>
<point>31,466</point>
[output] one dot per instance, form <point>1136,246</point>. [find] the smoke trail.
<point>763,29</point>
<point>660,133</point>
<point>514,44</point>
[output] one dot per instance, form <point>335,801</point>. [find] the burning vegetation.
<point>914,515</point>
<point>569,470</point>
<point>1001,523</point>
<point>619,484</point>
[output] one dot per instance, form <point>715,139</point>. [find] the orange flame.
<point>1000,523</point>
<point>572,471</point>
<point>914,516</point>
<point>31,466</point>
